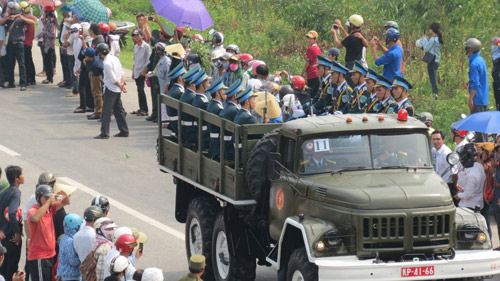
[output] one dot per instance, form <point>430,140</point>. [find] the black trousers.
<point>41,270</point>
<point>30,66</point>
<point>15,51</point>
<point>140,83</point>
<point>12,257</point>
<point>48,63</point>
<point>496,92</point>
<point>72,80</point>
<point>65,67</point>
<point>112,104</point>
<point>86,99</point>
<point>313,85</point>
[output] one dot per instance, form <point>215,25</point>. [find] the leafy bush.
<point>274,31</point>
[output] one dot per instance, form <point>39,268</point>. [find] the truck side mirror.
<point>273,168</point>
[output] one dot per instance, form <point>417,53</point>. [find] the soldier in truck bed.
<point>188,121</point>
<point>201,82</point>
<point>216,90</point>
<point>228,113</point>
<point>175,92</point>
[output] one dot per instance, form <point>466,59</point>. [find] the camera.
<point>150,18</point>
<point>334,26</point>
<point>59,197</point>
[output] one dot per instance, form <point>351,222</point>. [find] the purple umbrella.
<point>184,12</point>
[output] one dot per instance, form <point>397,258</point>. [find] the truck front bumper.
<point>471,263</point>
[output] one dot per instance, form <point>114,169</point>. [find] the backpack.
<point>89,265</point>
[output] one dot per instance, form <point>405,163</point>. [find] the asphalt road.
<point>39,132</point>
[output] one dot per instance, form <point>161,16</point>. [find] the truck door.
<point>282,195</point>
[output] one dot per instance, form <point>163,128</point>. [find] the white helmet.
<point>152,274</point>
<point>290,99</point>
<point>120,231</point>
<point>419,44</point>
<point>85,28</point>
<point>118,264</point>
<point>356,20</point>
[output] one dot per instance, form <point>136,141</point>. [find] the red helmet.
<point>402,115</point>
<point>198,38</point>
<point>104,27</point>
<point>49,8</point>
<point>246,58</point>
<point>298,82</point>
<point>125,243</point>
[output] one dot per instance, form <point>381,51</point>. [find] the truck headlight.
<point>331,240</point>
<point>472,233</point>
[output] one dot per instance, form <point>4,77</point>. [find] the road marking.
<point>9,151</point>
<point>125,208</point>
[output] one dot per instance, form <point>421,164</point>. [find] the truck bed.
<point>222,179</point>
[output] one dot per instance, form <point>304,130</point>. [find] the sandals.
<point>142,113</point>
<point>135,112</point>
<point>79,110</point>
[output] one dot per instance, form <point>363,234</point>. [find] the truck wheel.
<point>299,267</point>
<point>256,168</point>
<point>199,227</point>
<point>225,265</point>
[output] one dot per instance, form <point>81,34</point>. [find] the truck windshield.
<point>360,152</point>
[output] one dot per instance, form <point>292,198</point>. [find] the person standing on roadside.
<point>42,246</point>
<point>478,81</point>
<point>433,46</point>
<point>395,25</point>
<point>29,31</point>
<point>114,85</point>
<point>68,261</point>
<point>11,225</point>
<point>49,35</point>
<point>95,78</point>
<point>18,276</point>
<point>196,268</point>
<point>15,45</point>
<point>495,71</point>
<point>310,68</point>
<point>142,51</point>
<point>354,40</point>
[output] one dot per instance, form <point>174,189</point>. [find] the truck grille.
<point>431,225</point>
<point>375,228</point>
<point>386,233</point>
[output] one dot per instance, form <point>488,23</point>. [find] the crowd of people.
<point>64,247</point>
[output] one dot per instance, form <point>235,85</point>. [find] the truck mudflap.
<point>467,263</point>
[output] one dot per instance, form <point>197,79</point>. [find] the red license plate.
<point>417,271</point>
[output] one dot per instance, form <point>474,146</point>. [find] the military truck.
<point>349,197</point>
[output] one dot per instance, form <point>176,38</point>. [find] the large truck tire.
<point>256,167</point>
<point>299,267</point>
<point>200,221</point>
<point>227,267</point>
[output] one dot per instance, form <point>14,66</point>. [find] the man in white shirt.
<point>458,137</point>
<point>142,52</point>
<point>470,186</point>
<point>439,152</point>
<point>84,239</point>
<point>114,84</point>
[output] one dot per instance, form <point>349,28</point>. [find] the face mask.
<point>218,63</point>
<point>108,233</point>
<point>226,65</point>
<point>234,67</point>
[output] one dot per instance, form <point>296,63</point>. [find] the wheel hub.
<point>195,239</point>
<point>297,276</point>
<point>222,254</point>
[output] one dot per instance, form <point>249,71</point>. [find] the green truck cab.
<point>349,197</point>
